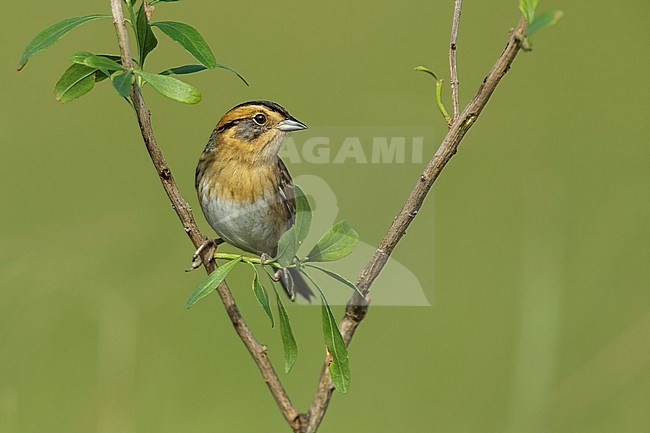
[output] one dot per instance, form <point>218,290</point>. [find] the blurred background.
<point>532,251</point>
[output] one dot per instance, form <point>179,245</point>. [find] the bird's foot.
<point>197,261</point>
<point>265,258</point>
<point>280,274</point>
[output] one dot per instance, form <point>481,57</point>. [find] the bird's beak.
<point>291,124</point>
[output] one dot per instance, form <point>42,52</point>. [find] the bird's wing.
<point>285,191</point>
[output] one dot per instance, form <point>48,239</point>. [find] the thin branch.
<point>184,212</point>
<point>357,307</point>
<point>122,34</point>
<point>452,59</point>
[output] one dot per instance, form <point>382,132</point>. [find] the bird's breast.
<point>245,225</point>
<point>243,206</point>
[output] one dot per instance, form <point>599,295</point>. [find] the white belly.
<point>245,226</point>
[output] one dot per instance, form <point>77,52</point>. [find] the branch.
<point>357,307</point>
<point>184,212</point>
<point>452,59</point>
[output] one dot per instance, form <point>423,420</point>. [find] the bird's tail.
<point>293,282</point>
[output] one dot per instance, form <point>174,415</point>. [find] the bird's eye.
<point>260,119</point>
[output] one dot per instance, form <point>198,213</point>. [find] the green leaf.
<point>122,83</point>
<point>262,296</point>
<point>80,56</point>
<point>545,19</point>
<point>182,70</point>
<point>228,68</point>
<point>336,243</point>
<point>75,82</point>
<point>101,62</point>
<point>171,87</point>
<point>288,341</point>
<point>161,1</point>
<point>427,71</point>
<point>210,283</point>
<point>52,34</point>
<point>340,366</point>
<point>287,247</point>
<point>303,215</point>
<point>146,39</point>
<point>190,39</point>
<point>528,7</point>
<point>101,75</point>
<point>439,103</point>
<point>190,69</point>
<point>337,277</point>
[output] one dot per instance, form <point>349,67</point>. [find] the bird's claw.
<point>197,261</point>
<point>265,258</point>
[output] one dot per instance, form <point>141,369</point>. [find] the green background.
<point>535,240</point>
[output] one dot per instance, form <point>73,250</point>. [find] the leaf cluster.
<point>535,21</point>
<point>88,68</point>
<point>336,243</point>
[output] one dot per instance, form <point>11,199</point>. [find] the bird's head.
<point>254,130</point>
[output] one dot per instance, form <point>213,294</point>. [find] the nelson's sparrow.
<point>245,190</point>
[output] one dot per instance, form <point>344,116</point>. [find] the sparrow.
<point>245,191</point>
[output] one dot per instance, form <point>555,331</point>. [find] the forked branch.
<point>357,307</point>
